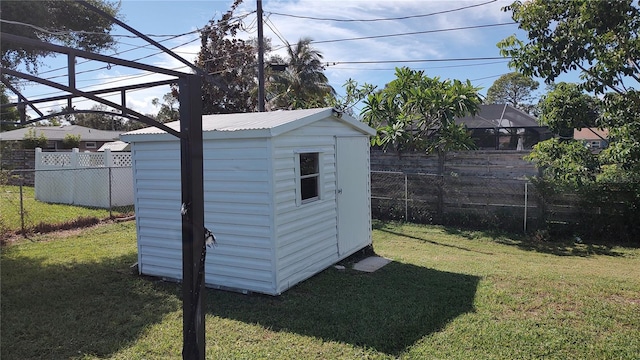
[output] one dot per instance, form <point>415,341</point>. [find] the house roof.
<point>255,124</point>
<point>493,116</point>
<point>590,134</point>
<point>59,132</point>
<point>116,146</point>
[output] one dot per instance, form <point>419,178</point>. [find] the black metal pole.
<point>192,217</point>
<point>260,58</point>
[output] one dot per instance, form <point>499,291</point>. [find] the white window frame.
<point>90,144</point>
<point>299,177</point>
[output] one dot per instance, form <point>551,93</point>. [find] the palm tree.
<point>303,83</point>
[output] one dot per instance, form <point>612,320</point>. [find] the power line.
<point>383,19</point>
<point>332,63</point>
<point>413,33</point>
<point>429,68</point>
<point>267,21</point>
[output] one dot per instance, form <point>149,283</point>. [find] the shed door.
<point>353,189</point>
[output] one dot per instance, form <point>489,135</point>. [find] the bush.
<point>31,140</point>
<point>71,141</point>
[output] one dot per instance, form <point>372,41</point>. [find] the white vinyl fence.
<point>97,179</point>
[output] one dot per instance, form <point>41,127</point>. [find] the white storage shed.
<point>287,194</point>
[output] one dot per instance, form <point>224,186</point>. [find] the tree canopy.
<point>55,21</point>
<point>98,118</point>
<point>169,107</point>
<point>514,89</point>
<point>8,114</point>
<point>599,39</point>
<point>302,84</point>
<point>416,112</point>
<point>566,107</point>
<point>233,61</point>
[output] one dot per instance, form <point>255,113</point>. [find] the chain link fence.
<point>473,201</point>
<point>60,196</point>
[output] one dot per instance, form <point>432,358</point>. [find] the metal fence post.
<point>24,232</point>
<point>526,195</point>
<point>406,198</point>
<point>110,190</point>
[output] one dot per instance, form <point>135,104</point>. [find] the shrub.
<point>71,141</point>
<point>31,140</point>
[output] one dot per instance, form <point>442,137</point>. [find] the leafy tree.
<point>71,141</point>
<point>169,108</point>
<point>8,115</point>
<point>567,163</point>
<point>100,121</point>
<point>54,21</point>
<point>600,40</point>
<point>32,140</point>
<point>415,112</point>
<point>514,89</point>
<point>233,61</point>
<point>567,107</point>
<point>303,83</point>
<point>354,93</point>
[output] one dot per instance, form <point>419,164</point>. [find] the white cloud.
<point>171,17</point>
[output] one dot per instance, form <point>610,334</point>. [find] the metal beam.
<point>210,78</point>
<point>142,118</point>
<point>88,55</point>
<point>193,242</point>
<point>95,92</point>
<point>23,100</point>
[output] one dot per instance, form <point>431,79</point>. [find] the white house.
<point>287,194</point>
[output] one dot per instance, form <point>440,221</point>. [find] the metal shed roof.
<point>256,124</point>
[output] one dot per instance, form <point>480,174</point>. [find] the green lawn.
<point>39,215</point>
<point>448,294</point>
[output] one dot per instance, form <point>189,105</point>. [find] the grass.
<point>448,294</point>
<point>39,215</point>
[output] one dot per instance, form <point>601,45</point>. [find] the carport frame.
<point>191,158</point>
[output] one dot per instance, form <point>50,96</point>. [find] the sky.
<point>447,39</point>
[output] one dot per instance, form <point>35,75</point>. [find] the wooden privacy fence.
<point>462,200</point>
<point>487,188</point>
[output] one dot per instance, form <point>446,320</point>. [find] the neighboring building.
<point>287,194</point>
<point>116,146</point>
<point>90,139</point>
<point>594,138</point>
<point>503,127</point>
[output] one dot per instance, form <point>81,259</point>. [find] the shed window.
<point>309,176</point>
<point>90,144</point>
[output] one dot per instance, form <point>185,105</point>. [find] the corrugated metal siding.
<point>157,201</point>
<point>237,186</point>
<point>306,235</point>
<point>237,189</point>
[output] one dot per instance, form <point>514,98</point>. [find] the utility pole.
<point>260,58</point>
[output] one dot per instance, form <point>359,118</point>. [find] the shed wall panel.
<point>238,211</point>
<point>306,234</point>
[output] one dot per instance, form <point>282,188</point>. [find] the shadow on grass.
<point>63,311</point>
<point>388,310</point>
<point>432,242</point>
<point>562,247</point>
